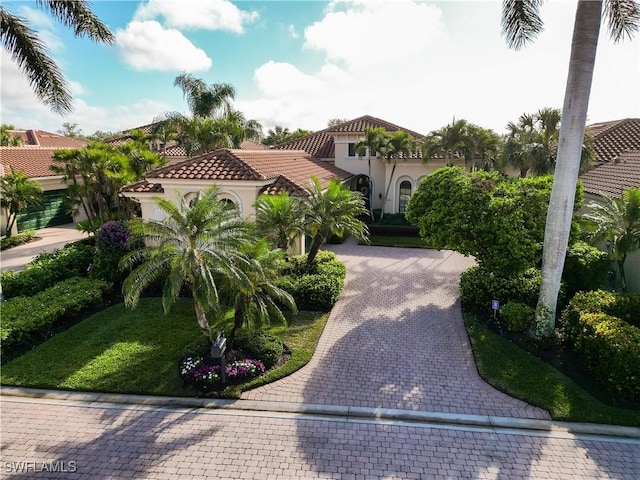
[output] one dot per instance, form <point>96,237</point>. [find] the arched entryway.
<point>362,184</point>
<point>404,193</point>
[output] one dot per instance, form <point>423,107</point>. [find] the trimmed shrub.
<point>516,316</point>
<point>46,269</point>
<point>15,240</point>
<point>29,319</point>
<point>608,346</point>
<point>394,230</point>
<point>260,345</point>
<point>479,286</point>
<point>585,268</point>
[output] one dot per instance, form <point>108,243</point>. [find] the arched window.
<point>405,193</point>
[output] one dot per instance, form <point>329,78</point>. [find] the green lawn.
<point>389,241</point>
<point>121,350</point>
<point>522,375</point>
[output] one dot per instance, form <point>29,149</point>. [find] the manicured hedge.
<point>394,230</point>
<point>259,345</point>
<point>608,346</point>
<point>585,268</point>
<point>46,269</point>
<point>319,287</point>
<point>478,287</point>
<point>28,320</point>
<point>15,240</point>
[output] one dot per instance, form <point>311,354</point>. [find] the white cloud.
<point>197,14</point>
<point>21,108</point>
<point>367,35</point>
<point>292,31</point>
<point>149,46</point>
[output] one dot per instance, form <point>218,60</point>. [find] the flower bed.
<point>196,372</point>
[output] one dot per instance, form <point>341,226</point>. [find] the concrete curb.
<point>362,413</point>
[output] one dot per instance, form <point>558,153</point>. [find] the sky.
<point>298,64</point>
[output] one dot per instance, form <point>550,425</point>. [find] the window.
<point>352,149</point>
<point>405,193</point>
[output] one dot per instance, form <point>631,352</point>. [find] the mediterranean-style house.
<point>617,168</point>
<point>34,156</point>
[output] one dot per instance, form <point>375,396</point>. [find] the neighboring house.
<point>35,156</point>
<point>617,168</point>
<point>336,145</point>
<point>241,175</point>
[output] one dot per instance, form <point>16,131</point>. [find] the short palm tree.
<point>280,218</point>
<point>334,210</point>
<point>449,141</point>
<point>8,140</point>
<point>198,245</point>
<point>261,302</point>
<point>617,220</point>
<point>17,192</point>
<point>31,55</point>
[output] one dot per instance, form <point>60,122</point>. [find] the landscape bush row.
<point>27,321</point>
<point>599,329</point>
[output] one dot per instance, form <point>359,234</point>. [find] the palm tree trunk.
<point>370,188</point>
<point>623,279</point>
<point>11,219</point>
<point>202,319</point>
<point>386,192</point>
<point>574,115</point>
<point>318,240</point>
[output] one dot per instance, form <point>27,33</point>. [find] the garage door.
<point>52,212</point>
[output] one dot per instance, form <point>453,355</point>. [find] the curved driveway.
<point>396,340</point>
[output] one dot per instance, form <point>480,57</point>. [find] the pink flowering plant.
<point>194,371</point>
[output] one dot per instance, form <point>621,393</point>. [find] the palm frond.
<point>31,56</point>
<point>78,16</point>
<point>521,22</point>
<point>623,18</point>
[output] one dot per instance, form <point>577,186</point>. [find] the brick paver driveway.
<point>67,441</point>
<point>396,340</point>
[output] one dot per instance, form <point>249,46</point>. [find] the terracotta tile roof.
<point>297,167</point>
<point>321,145</point>
<point>283,184</point>
<point>40,138</point>
<point>614,177</point>
<point>251,145</point>
<point>613,138</point>
<point>34,161</point>
<point>143,187</point>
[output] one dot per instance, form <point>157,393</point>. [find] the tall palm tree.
<point>373,141</point>
<point>261,302</point>
<point>398,145</point>
<point>27,49</point>
<point>239,129</point>
<point>521,23</point>
<point>205,100</point>
<point>617,220</point>
<point>532,143</point>
<point>199,244</point>
<point>17,192</point>
<point>280,218</point>
<point>483,146</point>
<point>334,210</point>
<point>449,141</point>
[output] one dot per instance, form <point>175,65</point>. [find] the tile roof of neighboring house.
<point>321,145</point>
<point>613,138</point>
<point>40,138</point>
<point>614,177</point>
<point>291,169</point>
<point>143,187</point>
<point>34,161</point>
<point>251,145</point>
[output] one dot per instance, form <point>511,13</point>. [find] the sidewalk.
<point>46,240</point>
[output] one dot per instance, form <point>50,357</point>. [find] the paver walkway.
<point>396,339</point>
<point>40,440</point>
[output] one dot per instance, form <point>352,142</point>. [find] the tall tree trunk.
<point>202,320</point>
<point>386,192</point>
<point>623,279</point>
<point>574,116</point>
<point>370,189</point>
